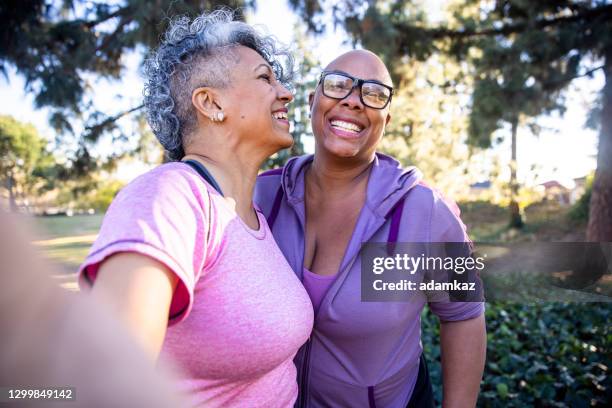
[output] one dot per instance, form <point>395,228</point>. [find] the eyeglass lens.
<point>339,86</point>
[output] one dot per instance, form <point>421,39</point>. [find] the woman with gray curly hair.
<point>183,256</point>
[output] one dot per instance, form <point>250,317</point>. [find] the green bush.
<point>544,354</point>
<point>100,198</point>
<point>580,210</point>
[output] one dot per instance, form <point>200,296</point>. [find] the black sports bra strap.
<point>199,167</point>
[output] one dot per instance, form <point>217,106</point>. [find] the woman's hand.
<point>139,290</point>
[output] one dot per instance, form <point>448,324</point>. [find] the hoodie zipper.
<point>305,366</point>
<point>305,371</point>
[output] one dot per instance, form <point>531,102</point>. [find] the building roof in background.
<point>481,184</point>
<point>553,184</point>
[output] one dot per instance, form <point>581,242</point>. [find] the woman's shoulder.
<point>166,173</point>
<point>428,196</point>
<point>166,178</point>
<point>440,213</point>
<point>168,185</point>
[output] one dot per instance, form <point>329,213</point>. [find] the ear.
<point>311,96</point>
<point>206,101</point>
<point>387,119</point>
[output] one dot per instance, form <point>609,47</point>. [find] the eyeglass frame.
<point>357,82</point>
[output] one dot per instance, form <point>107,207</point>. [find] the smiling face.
<point>255,103</point>
<point>347,128</point>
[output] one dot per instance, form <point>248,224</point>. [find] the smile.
<point>346,126</point>
<point>280,115</point>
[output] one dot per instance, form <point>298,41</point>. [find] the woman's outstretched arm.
<point>139,290</point>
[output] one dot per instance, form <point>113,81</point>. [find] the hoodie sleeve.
<point>446,226</point>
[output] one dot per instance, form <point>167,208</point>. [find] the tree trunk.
<point>516,221</point>
<point>600,213</point>
<point>11,188</point>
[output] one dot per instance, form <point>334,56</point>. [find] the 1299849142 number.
<point>8,394</point>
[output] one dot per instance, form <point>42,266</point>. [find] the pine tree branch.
<point>98,127</point>
<point>589,72</point>
<point>119,12</point>
<point>437,33</point>
<point>562,82</point>
<point>114,34</point>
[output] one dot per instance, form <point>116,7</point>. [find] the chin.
<point>342,150</point>
<point>283,142</point>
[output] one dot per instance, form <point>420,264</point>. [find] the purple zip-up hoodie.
<point>363,354</point>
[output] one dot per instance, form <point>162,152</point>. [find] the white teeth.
<point>351,127</point>
<point>280,115</point>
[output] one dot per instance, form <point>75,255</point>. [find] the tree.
<point>525,49</point>
<point>433,142</point>
<point>525,74</point>
<point>305,81</point>
<point>24,159</point>
<point>58,46</point>
<point>505,92</point>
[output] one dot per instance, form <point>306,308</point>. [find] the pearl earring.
<point>217,117</point>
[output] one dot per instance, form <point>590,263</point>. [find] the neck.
<point>234,172</point>
<point>338,176</point>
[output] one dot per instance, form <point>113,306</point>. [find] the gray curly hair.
<point>195,54</point>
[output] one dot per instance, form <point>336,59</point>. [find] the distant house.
<point>555,191</point>
<point>481,185</point>
<point>480,190</point>
<point>578,190</point>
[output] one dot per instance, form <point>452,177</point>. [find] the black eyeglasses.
<point>373,94</point>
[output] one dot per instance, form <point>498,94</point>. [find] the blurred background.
<point>505,106</point>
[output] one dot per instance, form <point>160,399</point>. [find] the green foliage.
<point>543,354</point>
<point>435,143</point>
<point>523,73</point>
<point>25,162</point>
<point>20,142</point>
<point>391,28</point>
<point>60,46</point>
<point>580,210</point>
<point>305,81</point>
<point>94,192</point>
<point>100,198</point>
<point>70,39</point>
<point>522,56</point>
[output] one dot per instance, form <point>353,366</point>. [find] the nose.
<point>284,94</point>
<point>353,100</point>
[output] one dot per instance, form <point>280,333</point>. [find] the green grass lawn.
<point>66,242</point>
<point>61,226</point>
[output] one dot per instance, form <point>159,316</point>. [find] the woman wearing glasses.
<point>320,209</point>
<point>182,256</point>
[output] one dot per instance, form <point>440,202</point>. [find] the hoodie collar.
<point>388,182</point>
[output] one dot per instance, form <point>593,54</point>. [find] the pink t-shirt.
<point>239,313</point>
